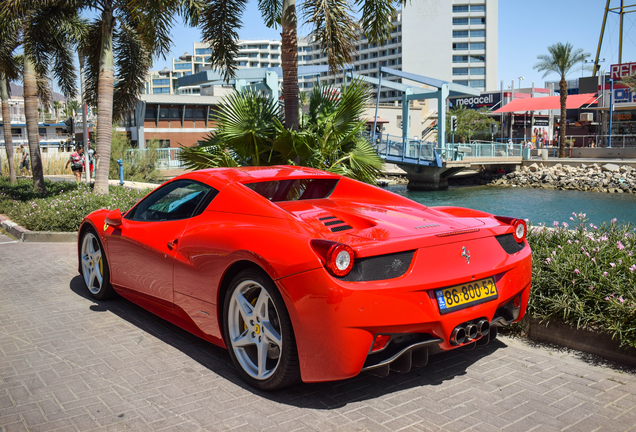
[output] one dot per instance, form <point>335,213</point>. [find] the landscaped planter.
<point>587,341</point>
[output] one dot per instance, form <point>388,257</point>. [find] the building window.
<point>477,71</point>
<point>460,8</point>
<point>175,113</point>
<point>478,8</point>
<point>477,21</point>
<point>460,71</point>
<point>164,113</point>
<point>264,46</point>
<point>151,113</point>
<point>477,33</point>
<point>477,83</point>
<point>477,46</point>
<point>183,66</point>
<point>460,46</point>
<point>163,143</point>
<point>160,90</point>
<point>274,56</point>
<point>160,82</point>
<point>460,59</point>
<point>460,21</point>
<point>203,51</point>
<point>462,82</point>
<point>477,58</point>
<point>460,33</point>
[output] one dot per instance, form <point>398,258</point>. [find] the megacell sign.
<point>620,71</point>
<point>485,100</point>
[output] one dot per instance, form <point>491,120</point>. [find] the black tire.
<point>268,327</point>
<point>94,265</point>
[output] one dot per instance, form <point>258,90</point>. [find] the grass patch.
<point>63,206</point>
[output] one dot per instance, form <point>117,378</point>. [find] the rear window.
<point>292,190</point>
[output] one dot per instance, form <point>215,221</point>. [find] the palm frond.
<point>219,25</point>
<point>560,60</point>
<point>90,49</point>
<point>152,20</point>
<point>376,18</point>
<point>334,27</point>
<point>132,61</point>
<point>271,11</point>
<point>209,155</point>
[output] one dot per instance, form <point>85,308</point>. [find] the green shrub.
<point>139,166</point>
<point>64,205</point>
<point>585,275</point>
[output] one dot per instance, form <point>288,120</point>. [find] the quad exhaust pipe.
<point>469,332</point>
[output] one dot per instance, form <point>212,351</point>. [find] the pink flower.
<point>632,268</point>
<point>587,254</point>
<point>573,283</point>
<point>603,238</point>
<point>565,225</point>
<point>555,223</point>
<point>621,299</point>
<point>607,298</point>
<point>548,260</point>
<point>582,249</point>
<point>613,220</point>
<point>569,241</point>
<point>591,288</point>
<point>620,245</point>
<point>576,241</point>
<point>604,273</point>
<point>559,246</point>
<point>553,252</point>
<point>613,265</point>
<point>577,271</point>
<point>571,218</point>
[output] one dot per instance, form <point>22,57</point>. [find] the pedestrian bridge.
<point>428,166</point>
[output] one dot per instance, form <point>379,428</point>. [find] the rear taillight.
<point>338,258</point>
<point>519,225</point>
<point>520,230</point>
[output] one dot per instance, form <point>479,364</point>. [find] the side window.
<point>180,199</point>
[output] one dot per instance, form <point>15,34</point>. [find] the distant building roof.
<point>176,99</point>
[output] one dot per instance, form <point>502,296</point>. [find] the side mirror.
<point>114,219</point>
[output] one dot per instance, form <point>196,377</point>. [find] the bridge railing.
<point>483,149</point>
<point>398,147</point>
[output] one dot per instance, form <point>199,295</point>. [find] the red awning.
<point>547,103</point>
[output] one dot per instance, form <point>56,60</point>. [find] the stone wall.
<point>609,178</point>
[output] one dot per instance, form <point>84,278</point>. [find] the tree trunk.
<point>31,113</point>
<point>289,63</point>
<point>84,114</point>
<point>563,89</point>
<point>6,120</point>
<point>105,102</point>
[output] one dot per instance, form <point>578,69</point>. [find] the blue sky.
<point>526,29</point>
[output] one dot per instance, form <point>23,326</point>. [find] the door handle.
<point>173,243</point>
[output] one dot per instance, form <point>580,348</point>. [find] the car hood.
<point>333,219</point>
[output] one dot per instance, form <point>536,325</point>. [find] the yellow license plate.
<point>460,296</point>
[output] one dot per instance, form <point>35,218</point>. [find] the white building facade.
<point>450,40</point>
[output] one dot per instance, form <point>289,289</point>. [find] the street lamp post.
<point>520,78</point>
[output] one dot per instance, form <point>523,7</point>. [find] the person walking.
<point>77,163</point>
<point>24,160</point>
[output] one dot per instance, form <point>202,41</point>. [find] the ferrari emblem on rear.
<point>466,254</point>
<point>105,226</point>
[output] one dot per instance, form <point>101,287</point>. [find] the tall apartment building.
<point>450,40</point>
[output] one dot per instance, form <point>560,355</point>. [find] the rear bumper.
<point>335,322</point>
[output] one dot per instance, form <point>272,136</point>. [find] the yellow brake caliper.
<point>253,302</point>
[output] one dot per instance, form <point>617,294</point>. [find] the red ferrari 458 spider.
<point>303,274</point>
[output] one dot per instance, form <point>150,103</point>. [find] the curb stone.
<point>24,235</point>
<point>584,340</point>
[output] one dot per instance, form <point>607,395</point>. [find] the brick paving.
<point>72,364</point>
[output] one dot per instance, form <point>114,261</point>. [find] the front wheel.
<point>94,266</point>
<point>258,332</point>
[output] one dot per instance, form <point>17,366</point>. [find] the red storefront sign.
<point>620,71</point>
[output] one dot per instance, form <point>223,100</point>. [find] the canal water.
<point>537,205</point>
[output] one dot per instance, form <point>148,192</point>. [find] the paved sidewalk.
<point>70,363</point>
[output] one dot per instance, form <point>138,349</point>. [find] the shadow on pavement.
<point>442,367</point>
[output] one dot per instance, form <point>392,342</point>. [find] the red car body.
<point>181,269</point>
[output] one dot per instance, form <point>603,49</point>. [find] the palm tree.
<point>56,106</point>
<point>333,26</point>
<point>119,46</point>
<point>9,71</point>
<point>47,29</point>
<point>561,60</point>
<point>250,132</point>
<point>72,107</point>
